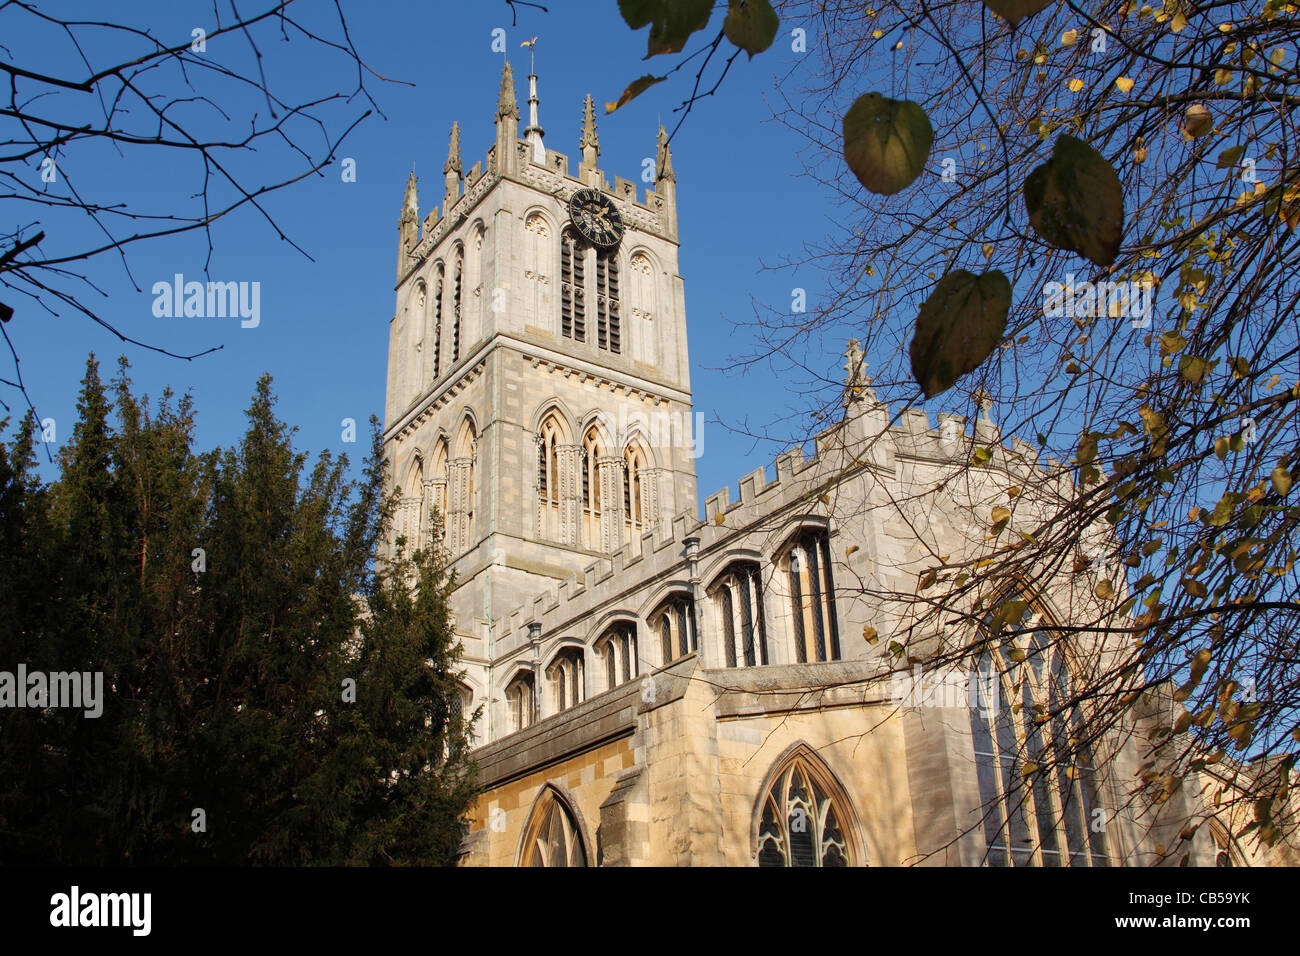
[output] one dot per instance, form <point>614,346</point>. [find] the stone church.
<point>663,688</point>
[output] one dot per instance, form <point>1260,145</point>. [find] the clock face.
<point>595,217</point>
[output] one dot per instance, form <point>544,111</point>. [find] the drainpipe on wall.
<point>692,545</point>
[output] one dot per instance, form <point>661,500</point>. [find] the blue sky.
<point>324,321</point>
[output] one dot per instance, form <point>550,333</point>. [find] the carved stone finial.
<point>983,401</point>
<point>856,381</point>
<point>664,160</point>
<point>453,152</point>
<point>410,201</point>
<point>589,143</point>
<point>507,105</point>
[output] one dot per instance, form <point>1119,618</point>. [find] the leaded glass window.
<point>1026,718</point>
<point>800,824</point>
<point>553,837</point>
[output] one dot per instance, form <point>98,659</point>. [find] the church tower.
<point>538,381</point>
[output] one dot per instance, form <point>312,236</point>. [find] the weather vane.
<point>531,44</point>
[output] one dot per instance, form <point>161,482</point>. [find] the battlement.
<point>646,211</point>
<point>866,439</point>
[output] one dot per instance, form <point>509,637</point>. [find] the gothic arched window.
<point>634,493</point>
<point>522,701</point>
<point>435,320</point>
<point>549,439</point>
<point>412,517</point>
<point>552,837</point>
<point>473,324</point>
<point>807,563</point>
<point>1027,718</point>
<point>608,323</point>
<point>567,675</point>
<point>644,307</point>
<point>538,263</point>
<point>674,622</point>
<point>591,453</point>
<point>618,651</point>
<point>463,483</point>
<point>573,305</point>
<point>438,476</point>
<point>416,323</point>
<point>457,283</point>
<point>800,823</point>
<point>738,602</point>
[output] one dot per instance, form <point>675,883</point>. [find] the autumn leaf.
<point>671,21</point>
<point>886,142</point>
<point>1001,518</point>
<point>751,25</point>
<point>959,326</point>
<point>1075,201</point>
<point>1013,11</point>
<point>635,89</point>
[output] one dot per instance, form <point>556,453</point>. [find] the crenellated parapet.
<point>866,457</point>
<point>528,161</point>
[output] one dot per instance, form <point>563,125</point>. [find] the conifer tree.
<point>274,695</point>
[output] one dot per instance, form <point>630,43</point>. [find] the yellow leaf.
<point>1069,37</point>
<point>717,519</point>
<point>1075,85</point>
<point>1123,84</point>
<point>1104,590</point>
<point>1281,480</point>
<point>987,249</point>
<point>1178,22</point>
<point>869,634</point>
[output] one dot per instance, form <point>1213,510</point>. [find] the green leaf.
<point>1171,343</point>
<point>1230,157</point>
<point>635,89</point>
<point>751,25</point>
<point>1193,368</point>
<point>1223,509</point>
<point>886,142</point>
<point>671,21</point>
<point>959,325</point>
<point>1075,201</point>
<point>1281,479</point>
<point>1013,11</point>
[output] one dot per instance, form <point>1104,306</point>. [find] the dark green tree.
<point>260,666</point>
